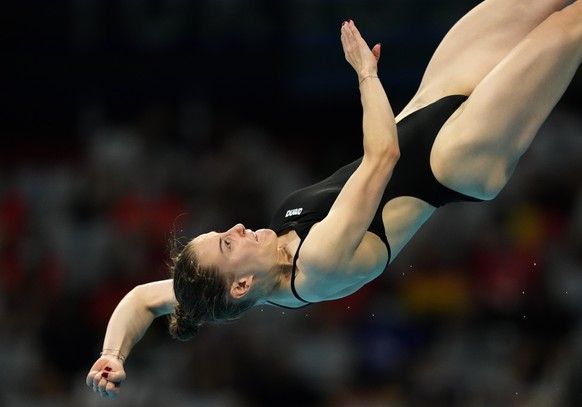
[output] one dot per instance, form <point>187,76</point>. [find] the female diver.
<point>488,88</point>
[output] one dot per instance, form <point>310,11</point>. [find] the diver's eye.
<point>227,243</point>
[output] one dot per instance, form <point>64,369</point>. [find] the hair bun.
<point>182,326</point>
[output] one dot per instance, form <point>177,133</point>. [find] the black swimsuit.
<point>412,176</point>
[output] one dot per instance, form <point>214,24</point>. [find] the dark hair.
<point>203,294</point>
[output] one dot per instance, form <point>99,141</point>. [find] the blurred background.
<point>125,120</point>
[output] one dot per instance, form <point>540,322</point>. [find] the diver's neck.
<point>288,245</point>
<point>286,248</point>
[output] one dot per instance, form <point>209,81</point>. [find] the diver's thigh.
<point>479,41</point>
<point>478,147</point>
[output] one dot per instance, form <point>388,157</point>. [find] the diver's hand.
<point>357,52</point>
<point>105,376</point>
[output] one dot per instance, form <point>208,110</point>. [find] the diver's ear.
<point>241,287</point>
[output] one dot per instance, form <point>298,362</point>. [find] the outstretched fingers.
<point>357,52</point>
<point>344,36</point>
<point>350,35</point>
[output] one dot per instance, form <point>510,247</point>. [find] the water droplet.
<point>535,264</point>
<point>283,312</point>
<point>523,292</point>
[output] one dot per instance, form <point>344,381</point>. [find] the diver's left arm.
<point>129,322</point>
<point>135,313</point>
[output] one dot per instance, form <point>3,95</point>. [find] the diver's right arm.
<point>132,317</point>
<point>334,257</point>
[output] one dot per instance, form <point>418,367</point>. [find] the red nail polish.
<point>105,374</point>
<point>108,369</point>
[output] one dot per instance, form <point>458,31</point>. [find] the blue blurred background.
<point>124,120</point>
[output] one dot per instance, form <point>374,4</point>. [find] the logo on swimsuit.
<point>294,212</point>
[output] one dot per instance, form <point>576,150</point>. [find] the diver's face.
<point>238,250</point>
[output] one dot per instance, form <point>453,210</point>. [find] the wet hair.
<point>203,294</point>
